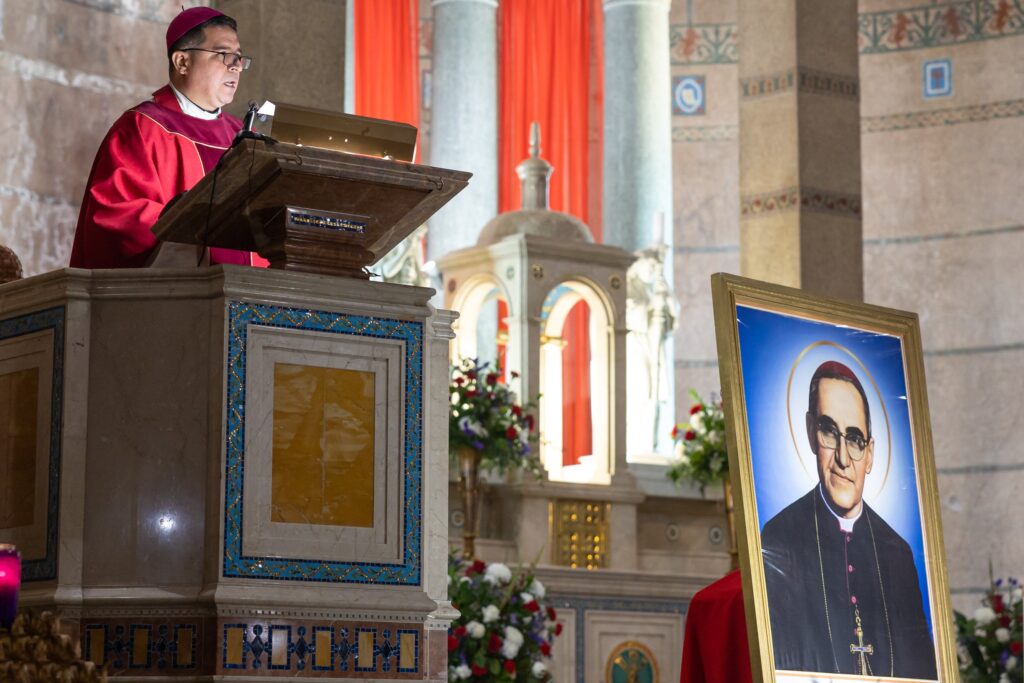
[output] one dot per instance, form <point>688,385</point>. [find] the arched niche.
<point>560,323</point>
<point>481,330</point>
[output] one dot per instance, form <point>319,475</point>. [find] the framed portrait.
<point>837,510</point>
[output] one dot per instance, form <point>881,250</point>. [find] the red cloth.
<point>150,155</point>
<point>715,645</point>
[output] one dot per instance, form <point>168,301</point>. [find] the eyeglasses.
<point>829,436</point>
<point>230,59</point>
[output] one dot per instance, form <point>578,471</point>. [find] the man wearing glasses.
<point>164,146</point>
<point>843,594</point>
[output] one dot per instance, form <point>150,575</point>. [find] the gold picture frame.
<point>778,348</point>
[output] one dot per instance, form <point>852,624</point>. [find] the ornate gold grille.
<point>580,533</point>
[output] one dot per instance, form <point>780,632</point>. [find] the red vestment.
<point>151,154</point>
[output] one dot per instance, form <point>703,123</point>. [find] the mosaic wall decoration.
<point>938,78</point>
<point>933,25</point>
<point>688,98</point>
<point>237,564</point>
<point>631,662</point>
<point>45,568</point>
<point>703,44</point>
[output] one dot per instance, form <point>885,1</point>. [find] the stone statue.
<point>403,265</point>
<point>651,316</point>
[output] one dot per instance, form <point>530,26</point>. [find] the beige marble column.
<point>298,51</point>
<point>800,179</point>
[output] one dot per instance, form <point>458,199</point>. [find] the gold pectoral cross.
<point>860,649</point>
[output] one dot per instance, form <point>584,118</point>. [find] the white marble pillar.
<point>637,123</point>
<point>464,119</point>
<point>637,208</point>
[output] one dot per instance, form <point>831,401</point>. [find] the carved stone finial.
<point>535,140</point>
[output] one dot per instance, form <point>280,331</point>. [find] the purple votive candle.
<point>10,581</point>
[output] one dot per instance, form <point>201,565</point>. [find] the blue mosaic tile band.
<point>241,316</point>
<point>45,569</point>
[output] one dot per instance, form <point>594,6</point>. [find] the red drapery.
<point>550,71</point>
<point>387,60</point>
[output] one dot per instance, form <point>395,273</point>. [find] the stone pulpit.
<point>232,472</point>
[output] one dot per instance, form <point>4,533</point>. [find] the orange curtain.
<point>550,71</point>
<point>387,70</point>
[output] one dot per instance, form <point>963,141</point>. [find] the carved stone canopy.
<point>534,218</point>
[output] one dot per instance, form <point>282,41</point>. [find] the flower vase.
<point>469,484</point>
<point>730,516</point>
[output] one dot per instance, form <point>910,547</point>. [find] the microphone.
<point>248,122</point>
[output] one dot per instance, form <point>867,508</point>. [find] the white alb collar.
<point>192,109</point>
<point>845,524</point>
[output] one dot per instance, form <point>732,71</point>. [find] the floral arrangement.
<point>504,631</point>
<point>486,416</point>
<point>700,444</point>
<point>990,644</point>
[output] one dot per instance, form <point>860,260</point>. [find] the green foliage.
<point>486,415</point>
<point>700,445</point>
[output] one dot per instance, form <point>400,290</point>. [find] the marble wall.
<point>942,140</point>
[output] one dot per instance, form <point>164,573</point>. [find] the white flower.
<point>512,634</point>
<point>984,615</point>
<point>714,436</point>
<point>497,573</point>
<point>1011,663</point>
<point>538,589</point>
<point>526,598</point>
<point>540,670</point>
<point>449,579</point>
<point>716,463</point>
<point>475,629</point>
<point>468,424</point>
<point>1003,678</point>
<point>464,579</point>
<point>979,633</point>
<point>1002,635</point>
<point>509,650</point>
<point>697,423</point>
<point>490,613</point>
<point>462,671</point>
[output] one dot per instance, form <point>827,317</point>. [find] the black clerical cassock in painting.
<point>822,579</point>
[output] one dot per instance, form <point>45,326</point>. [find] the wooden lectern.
<point>307,209</point>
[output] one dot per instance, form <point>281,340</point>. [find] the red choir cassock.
<point>151,154</point>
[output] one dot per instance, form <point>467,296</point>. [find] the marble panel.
<point>706,180</point>
<point>695,336</point>
<point>563,653</point>
<point>19,430</point>
<point>964,288</point>
<point>39,229</point>
<point>966,178</point>
<point>661,634</point>
<point>323,420</point>
<point>26,397</point>
<point>357,520</point>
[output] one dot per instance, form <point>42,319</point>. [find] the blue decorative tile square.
<point>938,78</point>
<point>45,568</point>
<point>688,96</point>
<point>241,316</point>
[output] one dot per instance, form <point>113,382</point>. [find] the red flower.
<point>494,644</point>
<point>529,422</point>
<point>689,435</point>
<point>477,567</point>
<point>453,643</point>
<point>552,615</point>
<point>459,381</point>
<point>675,431</point>
<point>515,374</point>
<point>545,648</point>
<point>1016,647</point>
<point>510,666</point>
<point>517,411</point>
<point>460,631</point>
<point>492,379</point>
<point>558,629</point>
<point>532,606</point>
<point>696,409</point>
<point>471,393</point>
<point>997,603</point>
<point>478,670</point>
<point>471,374</point>
<point>1005,620</point>
<point>511,433</point>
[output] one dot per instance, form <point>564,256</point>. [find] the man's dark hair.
<point>835,370</point>
<point>195,37</point>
